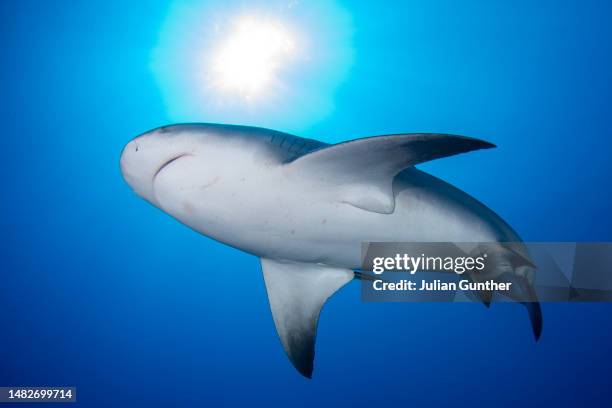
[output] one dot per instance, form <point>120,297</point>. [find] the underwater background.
<point>102,291</point>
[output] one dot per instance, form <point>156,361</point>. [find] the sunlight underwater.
<point>269,64</point>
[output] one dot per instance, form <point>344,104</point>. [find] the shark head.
<point>168,162</point>
<point>193,171</point>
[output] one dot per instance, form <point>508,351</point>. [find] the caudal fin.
<point>535,316</point>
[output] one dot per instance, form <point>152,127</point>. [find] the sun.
<point>248,60</point>
<point>274,64</point>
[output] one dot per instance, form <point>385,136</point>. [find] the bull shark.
<point>304,208</point>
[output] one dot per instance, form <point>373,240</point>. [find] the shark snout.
<point>135,169</point>
<point>143,158</point>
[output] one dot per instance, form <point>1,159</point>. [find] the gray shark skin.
<point>304,208</point>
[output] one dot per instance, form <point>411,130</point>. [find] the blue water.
<point>101,291</point>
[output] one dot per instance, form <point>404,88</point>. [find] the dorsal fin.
<point>361,171</point>
<point>297,292</point>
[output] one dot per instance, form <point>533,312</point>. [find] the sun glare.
<point>250,58</point>
<point>276,63</point>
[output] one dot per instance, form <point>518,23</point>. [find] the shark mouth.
<point>168,162</point>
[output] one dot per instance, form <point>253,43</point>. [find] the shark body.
<point>305,207</point>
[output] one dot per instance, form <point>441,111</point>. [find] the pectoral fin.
<point>297,292</point>
<point>360,172</point>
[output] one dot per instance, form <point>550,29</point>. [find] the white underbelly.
<point>333,233</point>
<point>303,227</point>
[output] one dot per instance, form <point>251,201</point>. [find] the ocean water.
<point>101,291</point>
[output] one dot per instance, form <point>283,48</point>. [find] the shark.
<point>304,207</point>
